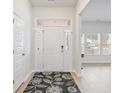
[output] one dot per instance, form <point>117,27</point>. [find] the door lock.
<point>38,48</point>
<point>62,48</point>
<point>23,54</point>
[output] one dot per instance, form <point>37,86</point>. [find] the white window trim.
<point>101,43</point>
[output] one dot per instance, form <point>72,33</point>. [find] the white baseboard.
<point>53,71</point>
<point>28,75</point>
<point>78,74</point>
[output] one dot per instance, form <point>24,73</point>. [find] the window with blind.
<point>96,44</point>
<point>92,43</point>
<point>106,44</point>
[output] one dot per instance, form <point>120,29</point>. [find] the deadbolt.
<point>62,46</point>
<point>23,54</point>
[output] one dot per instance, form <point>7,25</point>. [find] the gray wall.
<point>96,27</point>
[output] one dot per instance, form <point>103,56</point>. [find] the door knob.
<point>23,54</point>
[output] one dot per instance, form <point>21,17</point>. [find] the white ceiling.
<point>97,10</point>
<point>54,3</point>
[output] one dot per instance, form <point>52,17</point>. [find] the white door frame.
<point>67,56</point>
<point>18,81</point>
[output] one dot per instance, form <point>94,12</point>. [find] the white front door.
<point>53,49</point>
<point>18,58</point>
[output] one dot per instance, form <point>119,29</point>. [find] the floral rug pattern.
<point>52,82</point>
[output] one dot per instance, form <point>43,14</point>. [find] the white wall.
<point>96,27</point>
<point>96,17</point>
<point>97,10</point>
<point>23,8</point>
<point>81,4</point>
<point>54,13</point>
<point>87,10</point>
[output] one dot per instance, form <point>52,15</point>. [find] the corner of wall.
<point>78,9</point>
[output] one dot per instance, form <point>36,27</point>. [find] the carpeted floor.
<point>52,82</point>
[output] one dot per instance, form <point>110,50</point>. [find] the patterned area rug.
<point>52,82</point>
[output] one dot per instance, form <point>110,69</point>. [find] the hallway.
<point>54,39</point>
